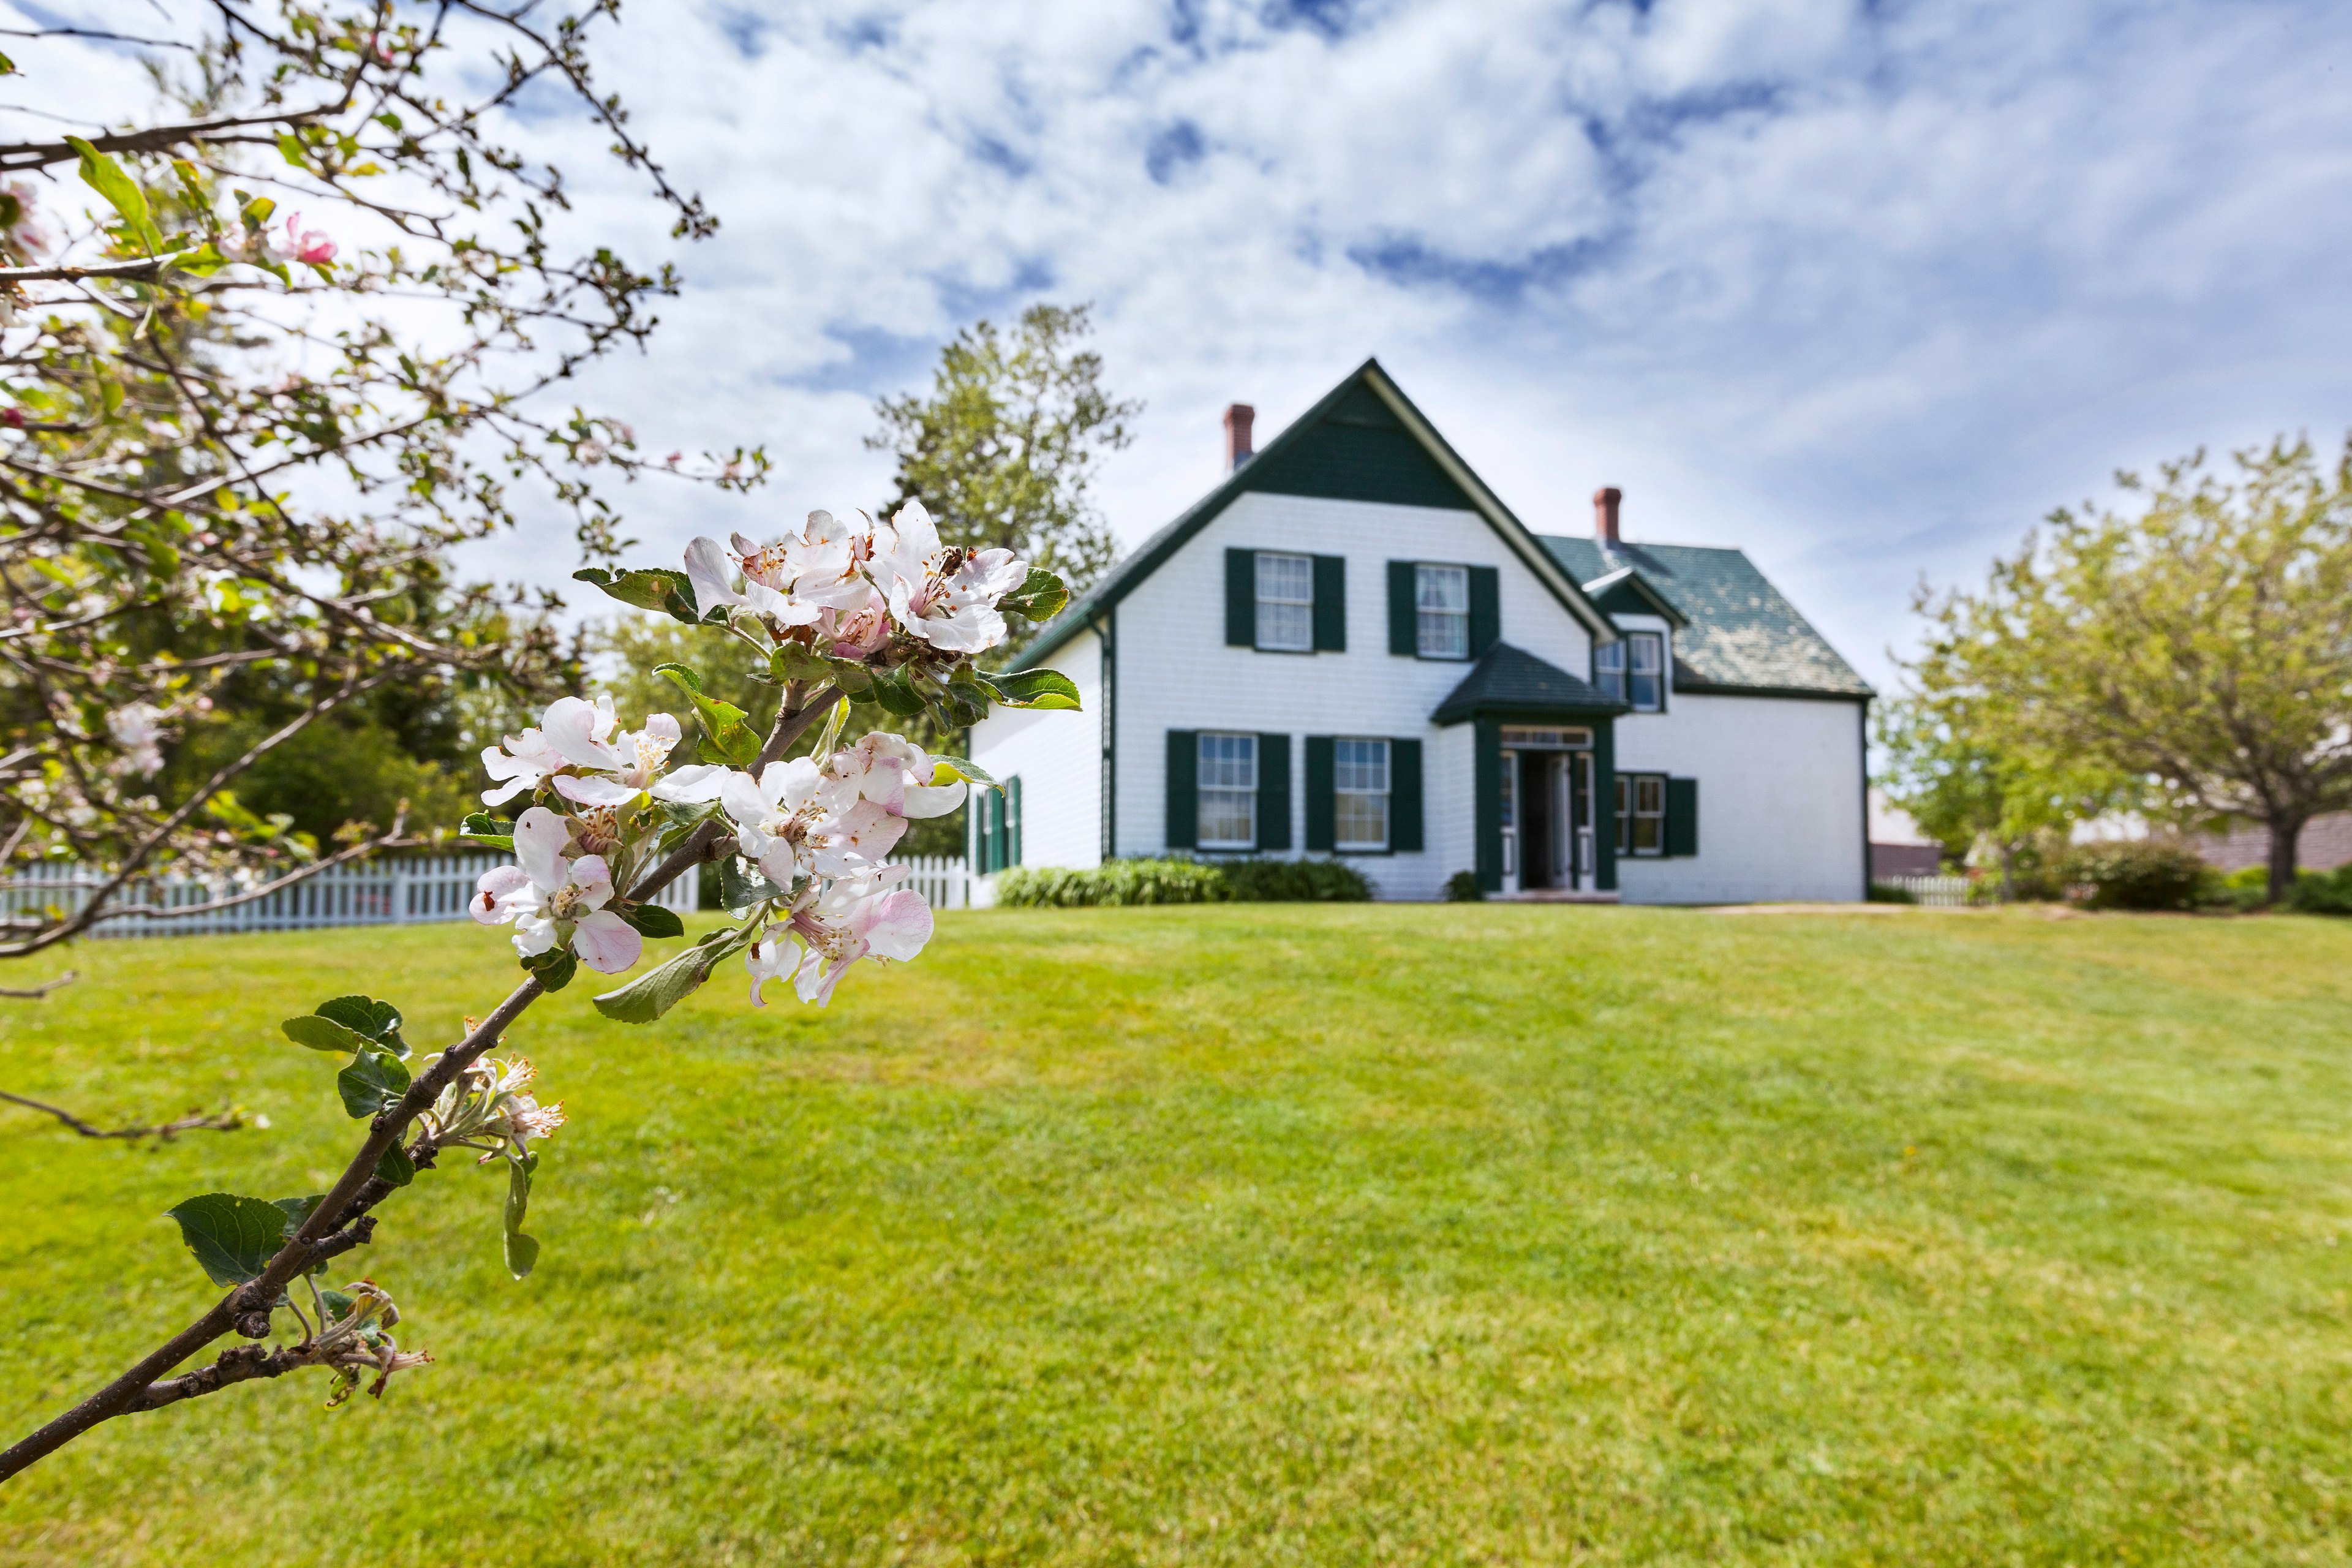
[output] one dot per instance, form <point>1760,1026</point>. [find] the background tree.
<point>1003,450</point>
<point>266,361</point>
<point>2202,647</point>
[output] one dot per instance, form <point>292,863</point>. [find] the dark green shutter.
<point>1331,604</point>
<point>1273,791</point>
<point>1012,820</point>
<point>1405,611</point>
<point>1241,598</point>
<point>1404,796</point>
<point>1485,609</point>
<point>992,833</point>
<point>1322,797</point>
<point>1183,789</point>
<point>1682,817</point>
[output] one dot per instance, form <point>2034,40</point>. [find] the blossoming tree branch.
<point>839,613</point>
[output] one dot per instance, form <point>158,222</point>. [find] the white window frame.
<point>1363,780</point>
<point>1440,630</point>
<point>1609,668</point>
<point>1284,601</point>
<point>1631,815</point>
<point>1653,644</point>
<point>1235,789</point>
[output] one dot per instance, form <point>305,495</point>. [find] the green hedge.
<point>2135,874</point>
<point>1183,882</point>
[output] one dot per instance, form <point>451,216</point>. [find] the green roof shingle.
<point>1509,681</point>
<point>1743,636</point>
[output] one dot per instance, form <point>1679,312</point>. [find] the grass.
<point>1263,1234</point>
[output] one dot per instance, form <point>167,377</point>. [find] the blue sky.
<point>1863,288</point>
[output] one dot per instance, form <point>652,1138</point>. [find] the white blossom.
<point>137,729</point>
<point>553,902</point>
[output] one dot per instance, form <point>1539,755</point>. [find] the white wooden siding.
<point>1175,671</point>
<point>1058,755</point>
<point>1780,806</point>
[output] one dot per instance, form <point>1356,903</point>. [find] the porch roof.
<point>1510,682</point>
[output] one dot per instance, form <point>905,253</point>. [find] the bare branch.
<point>194,1121</point>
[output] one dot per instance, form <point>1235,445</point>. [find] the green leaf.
<point>656,991</point>
<point>739,890</point>
<point>655,588</point>
<point>726,736</point>
<point>233,1238</point>
<point>554,968</point>
<point>374,1079</point>
<point>379,1021</point>
<point>397,1167</point>
<point>964,769</point>
<point>652,919</point>
<point>1033,688</point>
<point>895,695</point>
<point>339,1306</point>
<point>104,176</point>
<point>522,1251</point>
<point>323,1034</point>
<point>1039,598</point>
<point>481,827</point>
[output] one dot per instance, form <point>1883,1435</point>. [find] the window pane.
<point>1228,761</point>
<point>1625,815</point>
<point>1444,588</point>
<point>1359,775</point>
<point>1649,796</point>
<point>1285,602</point>
<point>1649,835</point>
<point>1288,578</point>
<point>1228,784</point>
<point>1647,688</point>
<point>1509,781</point>
<point>1361,765</point>
<point>1228,819</point>
<point>1608,670</point>
<point>1286,627</point>
<point>1361,822</point>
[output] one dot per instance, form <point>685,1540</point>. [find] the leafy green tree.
<point>1004,448</point>
<point>2200,648</point>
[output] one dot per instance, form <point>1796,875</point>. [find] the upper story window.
<point>1441,598</point>
<point>1360,781</point>
<point>1632,670</point>
<point>1228,792</point>
<point>1285,603</point>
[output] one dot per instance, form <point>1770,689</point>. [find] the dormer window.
<point>1632,670</point>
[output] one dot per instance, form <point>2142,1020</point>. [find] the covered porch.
<point>1543,778</point>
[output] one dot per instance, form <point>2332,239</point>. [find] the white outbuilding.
<point>1353,649</point>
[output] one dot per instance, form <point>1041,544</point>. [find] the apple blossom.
<point>553,902</point>
<point>136,728</point>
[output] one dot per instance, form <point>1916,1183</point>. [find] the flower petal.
<point>712,576</point>
<point>605,942</point>
<point>593,878</point>
<point>694,785</point>
<point>539,836</point>
<point>594,790</point>
<point>932,800</point>
<point>494,894</point>
<point>895,925</point>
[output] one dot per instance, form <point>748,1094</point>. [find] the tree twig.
<point>194,1121</point>
<point>35,992</point>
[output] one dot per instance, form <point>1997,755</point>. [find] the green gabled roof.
<point>1512,683</point>
<point>1363,441</point>
<point>1740,635</point>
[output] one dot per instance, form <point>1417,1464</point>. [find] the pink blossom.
<point>309,245</point>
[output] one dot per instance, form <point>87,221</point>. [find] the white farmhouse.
<point>1351,647</point>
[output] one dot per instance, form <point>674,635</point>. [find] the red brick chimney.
<point>1238,450</point>
<point>1604,515</point>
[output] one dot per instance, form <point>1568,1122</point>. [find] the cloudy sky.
<point>1863,289</point>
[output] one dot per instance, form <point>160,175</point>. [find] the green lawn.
<point>1263,1235</point>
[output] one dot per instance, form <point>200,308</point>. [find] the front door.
<point>1546,811</point>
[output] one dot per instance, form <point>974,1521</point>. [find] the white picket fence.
<point>391,892</point>
<point>396,890</point>
<point>1936,892</point>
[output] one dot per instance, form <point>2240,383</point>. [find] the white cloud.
<point>1864,288</point>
